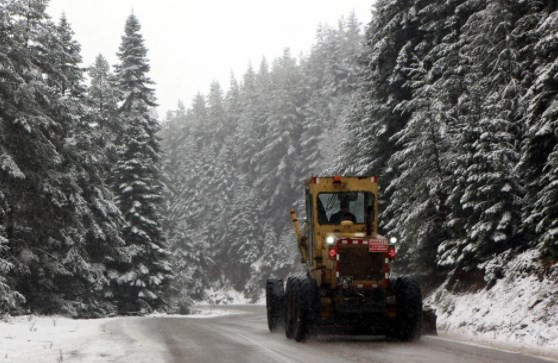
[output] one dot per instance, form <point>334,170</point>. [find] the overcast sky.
<point>193,42</point>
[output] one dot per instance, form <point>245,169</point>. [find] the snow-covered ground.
<point>520,308</point>
<point>58,339</point>
<point>229,296</point>
<point>46,339</point>
<point>202,311</point>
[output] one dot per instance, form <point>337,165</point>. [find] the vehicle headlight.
<point>330,240</point>
<point>393,240</point>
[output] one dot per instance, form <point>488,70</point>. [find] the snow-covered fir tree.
<point>57,209</point>
<point>137,180</point>
<point>278,159</point>
<point>538,156</point>
<point>494,192</point>
<point>420,189</point>
<point>101,104</point>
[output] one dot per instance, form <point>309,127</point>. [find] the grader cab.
<point>347,285</point>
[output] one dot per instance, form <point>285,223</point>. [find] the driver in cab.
<point>343,214</point>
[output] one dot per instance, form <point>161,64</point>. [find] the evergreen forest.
<point>105,208</point>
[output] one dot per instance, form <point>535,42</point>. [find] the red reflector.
<point>337,179</point>
<point>332,253</point>
<point>391,253</point>
<point>375,179</point>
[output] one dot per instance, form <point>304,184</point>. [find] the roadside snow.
<point>57,339</point>
<point>520,308</point>
<point>202,312</point>
<point>45,339</point>
<point>229,296</point>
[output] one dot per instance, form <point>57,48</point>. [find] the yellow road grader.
<point>347,285</point>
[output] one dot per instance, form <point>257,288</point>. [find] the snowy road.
<point>244,337</point>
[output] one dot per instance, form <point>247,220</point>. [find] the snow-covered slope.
<point>519,304</point>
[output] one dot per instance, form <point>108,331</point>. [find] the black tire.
<point>292,286</point>
<point>409,308</point>
<point>274,301</point>
<point>305,307</point>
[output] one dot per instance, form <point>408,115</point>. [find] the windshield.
<point>336,207</point>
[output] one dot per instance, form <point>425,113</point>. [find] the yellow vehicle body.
<point>312,241</point>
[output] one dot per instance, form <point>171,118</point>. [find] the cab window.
<point>335,207</point>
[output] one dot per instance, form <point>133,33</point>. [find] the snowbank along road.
<point>243,337</point>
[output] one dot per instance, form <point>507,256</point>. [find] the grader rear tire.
<point>275,299</point>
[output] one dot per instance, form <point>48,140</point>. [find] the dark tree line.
<point>80,188</point>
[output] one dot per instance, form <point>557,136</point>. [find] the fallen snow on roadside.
<point>229,296</point>
<point>520,308</point>
<point>202,312</point>
<point>55,339</point>
<point>45,339</point>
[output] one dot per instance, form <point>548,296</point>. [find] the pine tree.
<point>10,173</point>
<point>233,105</point>
<point>468,111</point>
<point>494,193</point>
<point>252,126</point>
<point>419,192</point>
<point>183,222</point>
<point>101,100</point>
<point>329,73</point>
<point>218,127</point>
<point>391,45</point>
<point>537,165</point>
<point>279,152</point>
<point>175,138</point>
<point>458,97</point>
<point>68,76</point>
<point>190,265</point>
<point>245,244</point>
<point>101,219</point>
<point>137,179</point>
<point>10,299</point>
<point>102,95</point>
<point>45,231</point>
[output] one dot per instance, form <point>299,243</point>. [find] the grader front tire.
<point>409,308</point>
<point>291,290</point>
<point>306,300</point>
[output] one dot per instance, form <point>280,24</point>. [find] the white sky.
<point>193,42</point>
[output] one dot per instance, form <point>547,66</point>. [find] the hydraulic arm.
<point>299,237</point>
